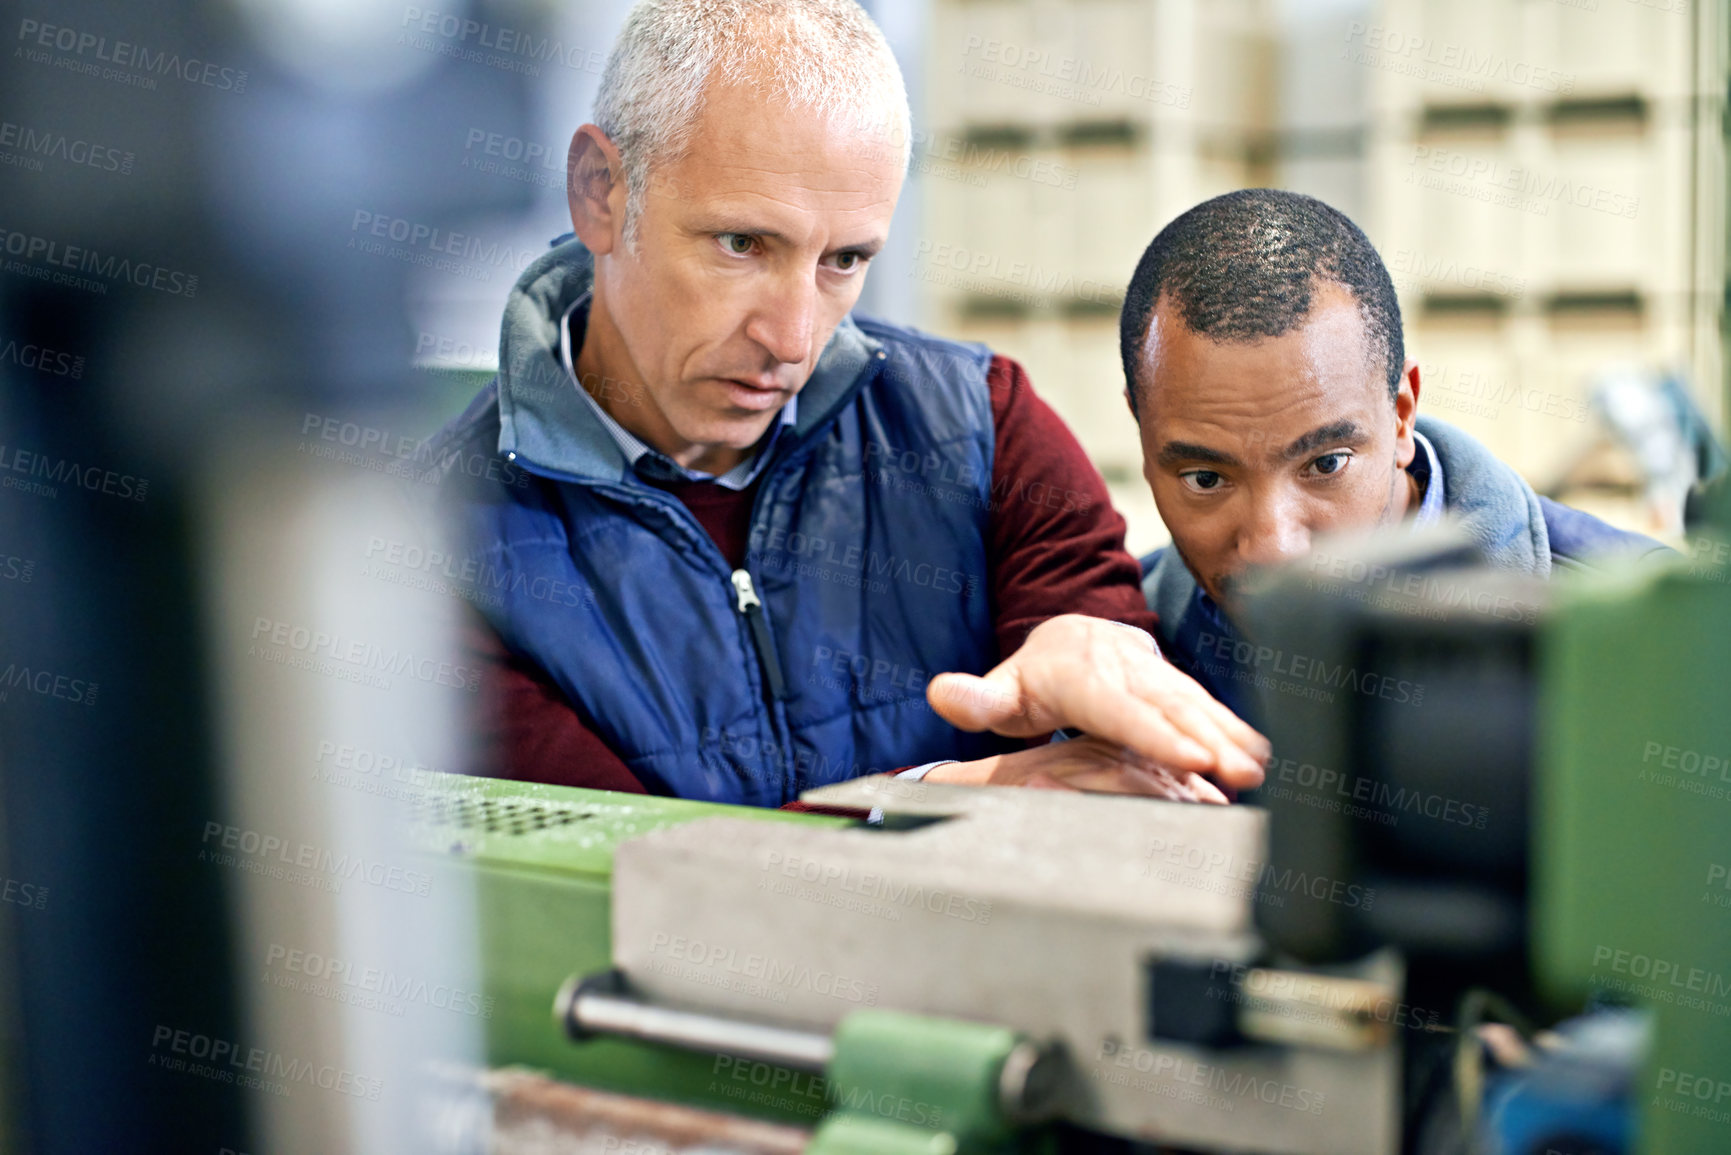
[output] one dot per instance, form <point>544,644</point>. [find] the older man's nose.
<point>784,320</point>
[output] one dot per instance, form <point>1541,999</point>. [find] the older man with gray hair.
<point>786,545</point>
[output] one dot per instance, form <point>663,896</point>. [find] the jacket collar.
<point>1492,503</point>
<point>546,426</point>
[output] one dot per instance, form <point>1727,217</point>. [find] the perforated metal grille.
<point>497,816</point>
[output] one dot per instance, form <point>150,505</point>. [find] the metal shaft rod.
<point>593,1006</point>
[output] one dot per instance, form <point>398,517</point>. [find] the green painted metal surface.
<point>905,1084</point>
<point>541,860</point>
<point>1632,815</point>
<point>934,1074</point>
<point>542,863</point>
<point>847,1133</point>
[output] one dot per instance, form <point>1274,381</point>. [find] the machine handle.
<point>1027,1085</point>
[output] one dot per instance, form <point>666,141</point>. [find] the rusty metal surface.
<point>534,1115</point>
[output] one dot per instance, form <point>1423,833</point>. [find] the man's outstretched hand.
<point>1081,764</point>
<point>1106,680</point>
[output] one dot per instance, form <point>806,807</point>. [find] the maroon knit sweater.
<point>1054,545</point>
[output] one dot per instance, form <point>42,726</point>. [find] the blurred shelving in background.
<point>1544,179</point>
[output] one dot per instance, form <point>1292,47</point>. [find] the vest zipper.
<point>752,607</point>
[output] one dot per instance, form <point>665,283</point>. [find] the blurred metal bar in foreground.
<point>534,1115</point>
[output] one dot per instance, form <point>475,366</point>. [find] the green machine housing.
<point>541,861</point>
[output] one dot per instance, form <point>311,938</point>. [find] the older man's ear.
<point>595,184</point>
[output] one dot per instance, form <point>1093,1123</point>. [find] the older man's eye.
<point>1202,480</point>
<point>739,244</point>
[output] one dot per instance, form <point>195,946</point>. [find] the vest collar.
<point>543,423</point>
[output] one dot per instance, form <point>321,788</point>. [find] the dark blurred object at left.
<point>180,295</point>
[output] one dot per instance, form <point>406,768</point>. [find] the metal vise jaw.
<point>1115,933</point>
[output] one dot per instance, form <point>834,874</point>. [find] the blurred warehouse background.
<point>1545,181</point>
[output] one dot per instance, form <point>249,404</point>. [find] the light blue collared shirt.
<point>1428,469</point>
<point>652,462</point>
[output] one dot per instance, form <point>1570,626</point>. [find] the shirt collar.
<point>650,463</point>
<point>1427,469</point>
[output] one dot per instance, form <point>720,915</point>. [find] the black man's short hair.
<point>1244,266</point>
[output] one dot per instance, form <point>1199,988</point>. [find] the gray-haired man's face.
<point>751,248</point>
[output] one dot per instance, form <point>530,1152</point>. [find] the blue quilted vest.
<point>867,555</point>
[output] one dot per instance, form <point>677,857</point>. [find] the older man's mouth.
<point>746,395</point>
